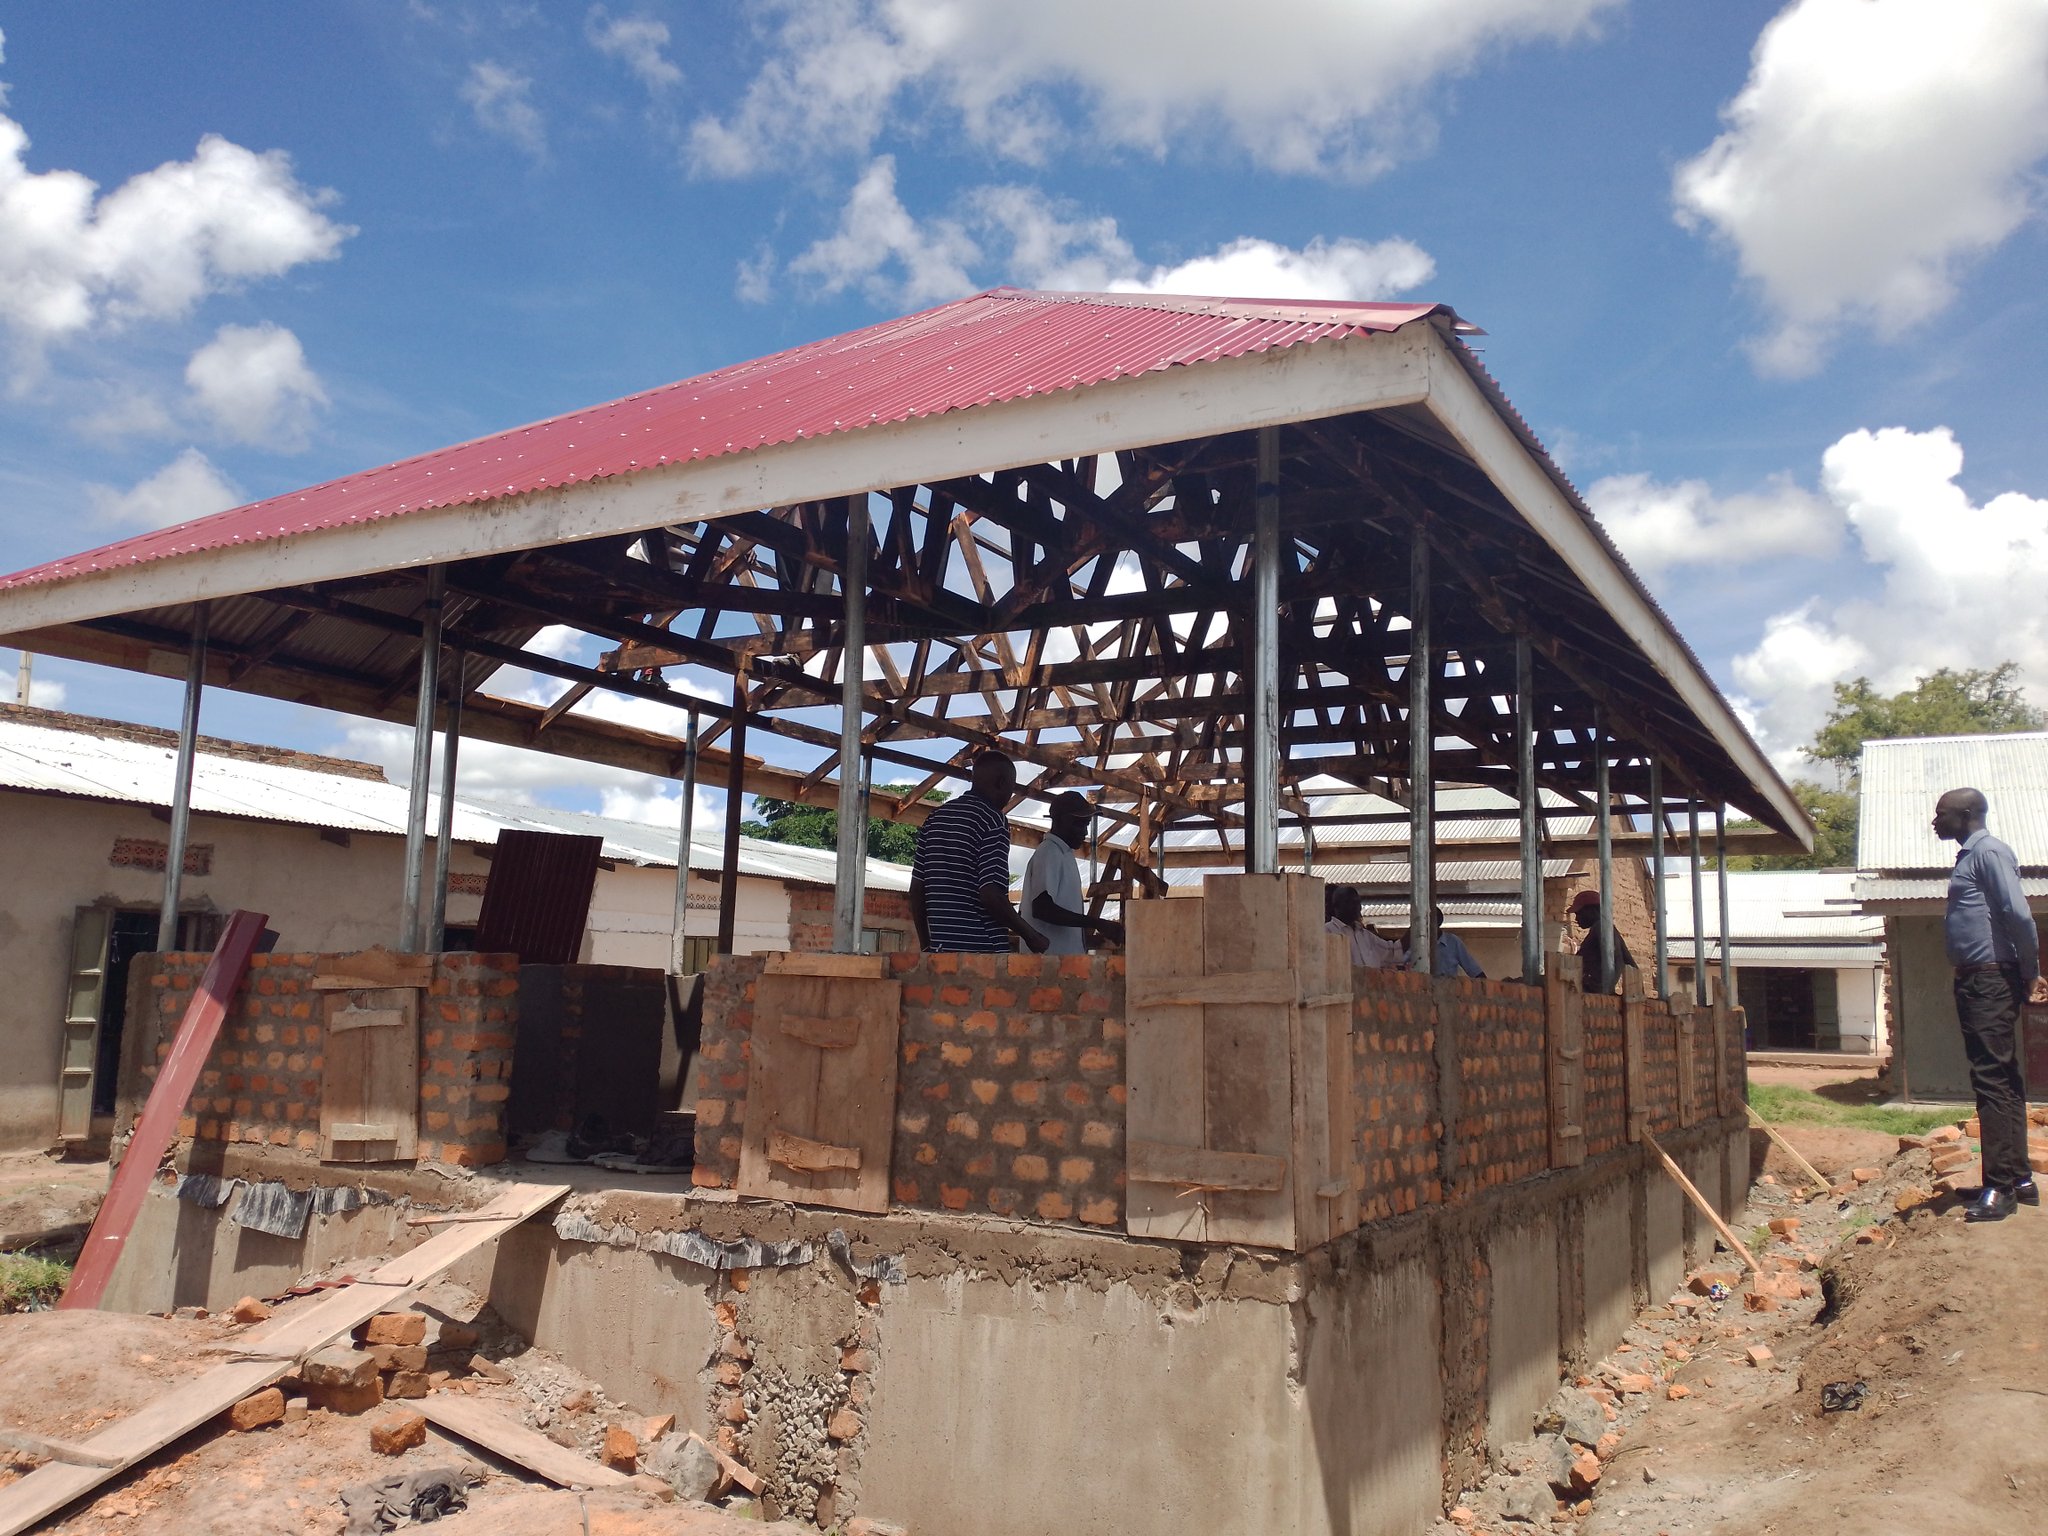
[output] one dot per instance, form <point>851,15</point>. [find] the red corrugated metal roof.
<point>1006,344</point>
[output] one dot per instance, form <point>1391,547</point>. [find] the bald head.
<point>1959,813</point>
<point>994,778</point>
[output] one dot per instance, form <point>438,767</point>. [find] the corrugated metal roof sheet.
<point>1007,344</point>
<point>65,762</point>
<point>1902,779</point>
<point>1823,956</point>
<point>1874,888</point>
<point>1779,904</point>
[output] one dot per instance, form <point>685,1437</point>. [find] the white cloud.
<point>1876,147</point>
<point>502,100</point>
<point>128,412</point>
<point>636,42</point>
<point>899,259</point>
<point>154,246</point>
<point>1960,584</point>
<point>45,693</point>
<point>1298,85</point>
<point>1660,526</point>
<point>187,487</point>
<point>253,383</point>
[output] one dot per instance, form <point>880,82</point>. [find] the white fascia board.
<point>1457,401</point>
<point>1286,384</point>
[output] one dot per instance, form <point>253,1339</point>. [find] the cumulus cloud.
<point>502,101</point>
<point>187,487</point>
<point>1663,526</point>
<point>1351,97</point>
<point>1959,584</point>
<point>896,258</point>
<point>638,42</point>
<point>252,382</point>
<point>1877,146</point>
<point>154,246</point>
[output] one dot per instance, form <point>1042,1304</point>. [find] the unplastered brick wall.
<point>810,918</point>
<point>1010,1088</point>
<point>1393,1062</point>
<point>1660,1064</point>
<point>1503,1122</point>
<point>1606,1075</point>
<point>261,1083</point>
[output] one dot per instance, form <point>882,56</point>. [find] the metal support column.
<point>735,789</point>
<point>181,784</point>
<point>1662,907</point>
<point>1721,882</point>
<point>685,841</point>
<point>451,737</point>
<point>1603,799</point>
<point>1262,740</point>
<point>1699,913</point>
<point>1421,771</point>
<point>853,652</point>
<point>1532,811</point>
<point>1308,844</point>
<point>409,927</point>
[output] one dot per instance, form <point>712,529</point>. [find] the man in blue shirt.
<point>1995,949</point>
<point>1452,957</point>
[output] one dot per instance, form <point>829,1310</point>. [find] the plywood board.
<point>278,1345</point>
<point>370,1076</point>
<point>1247,1053</point>
<point>1634,1082</point>
<point>841,1097</point>
<point>1163,1061</point>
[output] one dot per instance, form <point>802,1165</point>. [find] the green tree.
<point>812,826</point>
<point>1972,702</point>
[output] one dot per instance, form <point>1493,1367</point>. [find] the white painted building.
<point>318,844</point>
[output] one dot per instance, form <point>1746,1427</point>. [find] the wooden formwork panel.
<point>1564,1021</point>
<point>370,1075</point>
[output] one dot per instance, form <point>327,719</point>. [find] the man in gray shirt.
<point>1995,949</point>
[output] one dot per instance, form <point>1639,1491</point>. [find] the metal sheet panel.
<point>1789,904</point>
<point>1902,779</point>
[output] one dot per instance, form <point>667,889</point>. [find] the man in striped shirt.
<point>960,879</point>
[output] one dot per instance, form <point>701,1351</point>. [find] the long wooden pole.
<point>1820,1181</point>
<point>1727,1235</point>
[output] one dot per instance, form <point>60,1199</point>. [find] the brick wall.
<point>1606,1075</point>
<point>1393,1059</point>
<point>1660,1064</point>
<point>1503,1124</point>
<point>261,1084</point>
<point>1010,1089</point>
<point>1635,912</point>
<point>810,918</point>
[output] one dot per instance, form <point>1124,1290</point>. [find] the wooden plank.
<point>844,1097</point>
<point>1162,1061</point>
<point>1721,1073</point>
<point>1688,1067</point>
<point>371,969</point>
<point>158,1123</point>
<point>834,1034</point>
<point>807,1156</point>
<point>1188,1168</point>
<point>345,1019</point>
<point>369,1076</point>
<point>56,1450</point>
<point>857,967</point>
<point>485,1427</point>
<point>1308,1053</point>
<point>281,1343</point>
<point>1344,1167</point>
<point>1704,1205</point>
<point>372,1130</point>
<point>1564,1055</point>
<point>1276,986</point>
<point>1247,1050</point>
<point>1635,1093</point>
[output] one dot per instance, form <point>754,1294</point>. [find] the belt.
<point>1987,965</point>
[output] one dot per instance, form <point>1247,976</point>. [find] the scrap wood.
<point>492,1431</point>
<point>281,1341</point>
<point>1820,1184</point>
<point>55,1450</point>
<point>1727,1235</point>
<point>157,1126</point>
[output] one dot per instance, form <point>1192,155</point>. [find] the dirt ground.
<point>70,1373</point>
<point>1939,1323</point>
<point>45,1199</point>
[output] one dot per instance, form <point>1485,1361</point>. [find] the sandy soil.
<point>44,1198</point>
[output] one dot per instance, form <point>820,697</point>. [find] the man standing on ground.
<point>1347,917</point>
<point>1995,949</point>
<point>1052,900</point>
<point>1586,913</point>
<point>960,878</point>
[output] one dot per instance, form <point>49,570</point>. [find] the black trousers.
<point>1988,1007</point>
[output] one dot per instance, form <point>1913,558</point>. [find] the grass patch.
<point>29,1282</point>
<point>1783,1105</point>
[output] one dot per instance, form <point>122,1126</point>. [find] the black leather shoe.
<point>2027,1193</point>
<point>1994,1204</point>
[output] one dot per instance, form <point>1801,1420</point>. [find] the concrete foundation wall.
<point>1609,1266</point>
<point>1523,1345</point>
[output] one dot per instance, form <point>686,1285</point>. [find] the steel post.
<point>1721,893</point>
<point>1663,913</point>
<point>181,783</point>
<point>685,840</point>
<point>1604,838</point>
<point>853,651</point>
<point>1421,772</point>
<point>1262,741</point>
<point>735,790</point>
<point>444,837</point>
<point>1532,811</point>
<point>1699,914</point>
<point>409,935</point>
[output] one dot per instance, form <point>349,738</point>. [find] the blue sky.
<point>1766,277</point>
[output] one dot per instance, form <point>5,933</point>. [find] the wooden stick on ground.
<point>1820,1182</point>
<point>1700,1200</point>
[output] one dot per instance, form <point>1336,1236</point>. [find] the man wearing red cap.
<point>1586,913</point>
